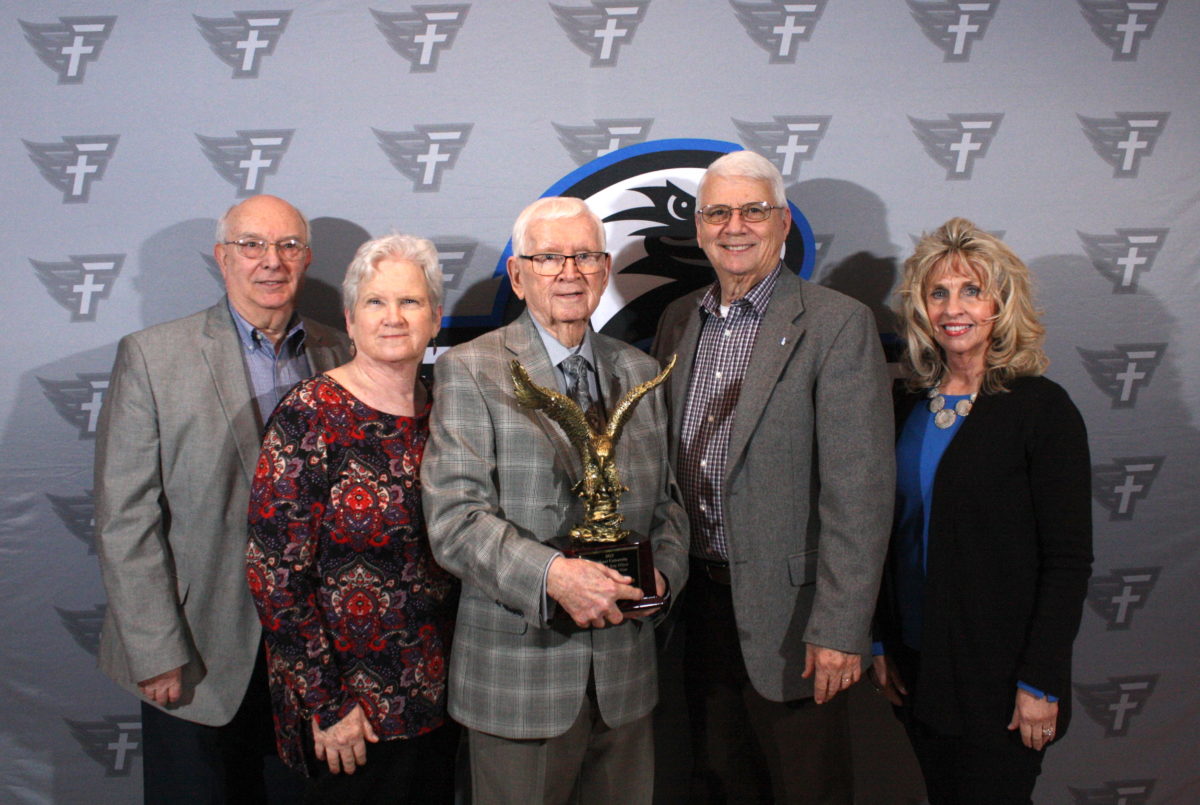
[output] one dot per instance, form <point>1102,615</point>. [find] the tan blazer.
<point>497,483</point>
<point>176,446</point>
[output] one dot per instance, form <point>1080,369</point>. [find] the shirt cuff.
<point>549,605</point>
<point>1037,693</point>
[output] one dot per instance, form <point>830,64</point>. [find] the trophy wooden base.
<point>631,557</point>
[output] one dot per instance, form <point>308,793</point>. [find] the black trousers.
<point>986,765</point>
<point>184,763</point>
<point>402,770</point>
<point>746,748</point>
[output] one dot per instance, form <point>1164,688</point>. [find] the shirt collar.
<point>557,352</point>
<point>252,338</point>
<point>757,297</point>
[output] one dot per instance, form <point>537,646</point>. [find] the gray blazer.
<point>497,483</point>
<point>810,476</point>
<point>176,447</point>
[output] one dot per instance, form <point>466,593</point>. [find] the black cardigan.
<point>1010,553</point>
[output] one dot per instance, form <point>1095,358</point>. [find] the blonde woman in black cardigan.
<point>992,544</point>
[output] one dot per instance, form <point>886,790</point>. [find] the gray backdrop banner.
<point>1071,128</point>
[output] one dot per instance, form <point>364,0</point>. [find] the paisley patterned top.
<point>354,608</point>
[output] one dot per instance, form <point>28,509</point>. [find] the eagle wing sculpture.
<point>600,487</point>
<point>625,407</point>
<point>559,407</point>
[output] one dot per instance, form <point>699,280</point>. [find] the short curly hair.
<point>1017,332</point>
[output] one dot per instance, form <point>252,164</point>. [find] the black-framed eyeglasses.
<point>551,265</point>
<point>752,213</point>
<point>253,248</point>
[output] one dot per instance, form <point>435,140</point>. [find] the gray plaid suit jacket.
<point>176,448</point>
<point>810,478</point>
<point>497,483</point>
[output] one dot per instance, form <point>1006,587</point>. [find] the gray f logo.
<point>1122,24</point>
<point>84,625</point>
<point>1120,372</point>
<point>1119,485</point>
<point>778,26</point>
<point>425,153</point>
<point>1114,703</point>
<point>454,257</point>
<point>420,35</point>
<point>1115,792</point>
<point>585,143</point>
<point>74,164</point>
<point>1121,257</point>
<point>78,514</point>
<point>113,742</point>
<point>1123,141</point>
<point>240,40</point>
<point>953,26</point>
<point>600,31</point>
<point>245,161</point>
<point>68,46</point>
<point>955,143</point>
<point>79,285</point>
<point>787,141</point>
<point>78,401</point>
<point>1116,596</point>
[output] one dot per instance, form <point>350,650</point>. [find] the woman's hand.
<point>885,678</point>
<point>1036,718</point>
<point>344,745</point>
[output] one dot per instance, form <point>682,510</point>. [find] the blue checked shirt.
<point>271,374</point>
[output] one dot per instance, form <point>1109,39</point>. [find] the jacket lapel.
<point>610,382</point>
<point>223,358</point>
<point>322,351</point>
<point>685,335</point>
<point>778,338</point>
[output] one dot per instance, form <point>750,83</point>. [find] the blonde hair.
<point>1017,333</point>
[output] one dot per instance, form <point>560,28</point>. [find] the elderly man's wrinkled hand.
<point>834,671</point>
<point>165,688</point>
<point>589,591</point>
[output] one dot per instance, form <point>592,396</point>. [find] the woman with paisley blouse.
<point>356,615</point>
<point>992,545</point>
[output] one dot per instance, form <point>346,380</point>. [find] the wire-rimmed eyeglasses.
<point>253,248</point>
<point>752,213</point>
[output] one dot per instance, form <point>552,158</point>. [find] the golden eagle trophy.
<point>600,536</point>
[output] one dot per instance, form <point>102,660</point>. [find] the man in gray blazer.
<point>552,707</point>
<point>781,437</point>
<point>176,447</point>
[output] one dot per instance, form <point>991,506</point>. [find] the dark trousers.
<point>402,770</point>
<point>746,748</point>
<point>986,765</point>
<point>184,763</point>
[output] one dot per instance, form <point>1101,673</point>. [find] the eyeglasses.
<point>752,213</point>
<point>252,248</point>
<point>551,265</point>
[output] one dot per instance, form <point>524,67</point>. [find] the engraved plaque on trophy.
<point>599,537</point>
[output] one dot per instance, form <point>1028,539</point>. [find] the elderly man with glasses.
<point>781,439</point>
<point>176,447</point>
<point>554,681</point>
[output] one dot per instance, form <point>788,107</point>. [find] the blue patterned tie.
<point>576,368</point>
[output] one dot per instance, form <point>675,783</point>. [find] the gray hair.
<point>223,222</point>
<point>552,208</point>
<point>365,265</point>
<point>746,165</point>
